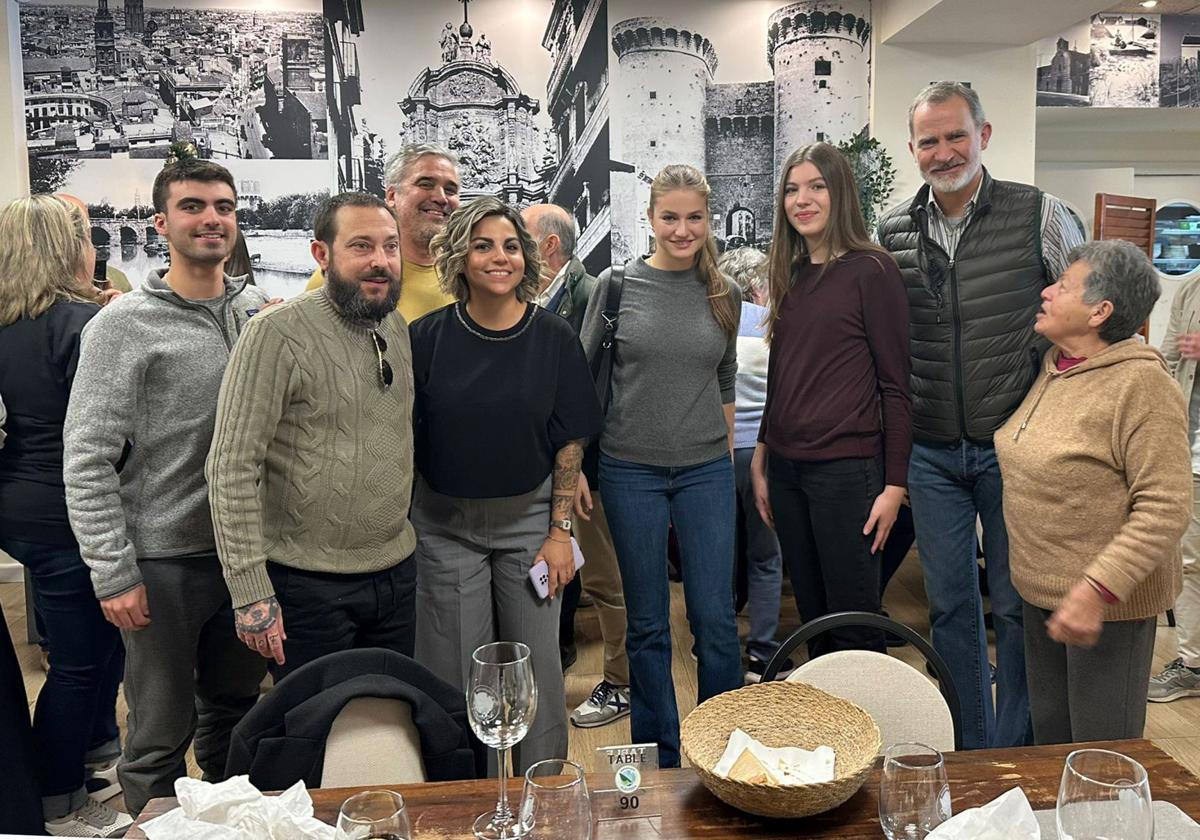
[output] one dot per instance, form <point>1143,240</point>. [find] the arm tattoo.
<point>566,475</point>
<point>257,617</point>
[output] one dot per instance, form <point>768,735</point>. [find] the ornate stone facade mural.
<point>476,108</point>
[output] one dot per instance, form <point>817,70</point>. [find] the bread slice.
<point>749,769</point>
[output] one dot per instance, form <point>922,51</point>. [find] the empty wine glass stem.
<point>503,814</point>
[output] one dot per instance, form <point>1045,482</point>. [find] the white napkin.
<point>1007,817</point>
<point>785,765</point>
<point>236,810</point>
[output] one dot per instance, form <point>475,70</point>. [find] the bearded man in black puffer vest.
<point>975,254</point>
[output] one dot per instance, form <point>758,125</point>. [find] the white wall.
<point>1077,184</point>
<point>1004,78</point>
<point>14,168</point>
<point>14,178</point>
<point>1165,188</point>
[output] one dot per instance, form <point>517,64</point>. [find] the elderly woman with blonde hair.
<point>504,402</point>
<point>46,299</point>
<point>1097,493</point>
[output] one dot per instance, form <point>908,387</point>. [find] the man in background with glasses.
<point>311,466</point>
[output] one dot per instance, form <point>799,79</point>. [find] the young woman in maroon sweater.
<point>831,464</point>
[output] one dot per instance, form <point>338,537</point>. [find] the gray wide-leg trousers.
<point>473,560</point>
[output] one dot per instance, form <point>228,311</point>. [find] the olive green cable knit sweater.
<point>312,458</point>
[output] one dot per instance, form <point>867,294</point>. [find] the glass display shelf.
<point>1176,250</point>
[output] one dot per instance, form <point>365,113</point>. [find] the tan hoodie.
<point>1097,481</point>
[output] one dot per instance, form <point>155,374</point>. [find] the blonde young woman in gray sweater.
<point>665,450</point>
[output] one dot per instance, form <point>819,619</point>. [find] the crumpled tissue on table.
<point>786,765</point>
<point>1007,817</point>
<point>236,810</point>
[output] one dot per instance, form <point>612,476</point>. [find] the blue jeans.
<point>949,486</point>
<point>641,501</point>
<point>75,719</point>
<point>764,564</point>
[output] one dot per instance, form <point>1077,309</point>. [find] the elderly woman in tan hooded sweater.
<point>1097,493</point>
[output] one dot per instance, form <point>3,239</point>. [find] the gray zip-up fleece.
<point>139,424</point>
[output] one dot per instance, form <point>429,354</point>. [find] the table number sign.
<point>629,782</point>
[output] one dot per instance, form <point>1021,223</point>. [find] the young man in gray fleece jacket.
<point>137,431</point>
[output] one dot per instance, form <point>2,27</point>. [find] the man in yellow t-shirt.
<point>422,192</point>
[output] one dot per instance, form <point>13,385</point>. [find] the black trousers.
<point>326,612</point>
<point>820,509</point>
<point>20,799</point>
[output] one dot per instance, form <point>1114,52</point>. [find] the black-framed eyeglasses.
<point>385,369</point>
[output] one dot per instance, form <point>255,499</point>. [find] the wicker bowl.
<point>782,714</point>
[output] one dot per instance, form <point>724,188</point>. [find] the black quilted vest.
<point>974,351</point>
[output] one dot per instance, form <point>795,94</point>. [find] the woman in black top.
<point>46,265</point>
<point>504,401</point>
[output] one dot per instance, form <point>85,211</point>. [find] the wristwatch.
<point>561,524</point>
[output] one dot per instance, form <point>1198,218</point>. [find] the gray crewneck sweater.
<point>139,424</point>
<point>673,368</point>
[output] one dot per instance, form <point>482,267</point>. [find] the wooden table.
<point>446,810</point>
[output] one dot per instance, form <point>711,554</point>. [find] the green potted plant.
<point>874,173</point>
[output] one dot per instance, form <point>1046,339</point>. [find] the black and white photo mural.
<point>1124,61</point>
<point>574,102</point>
<point>109,86</point>
<point>106,79</point>
<point>731,89</point>
<point>1118,60</point>
<point>275,208</point>
<point>516,89</point>
<point>1179,62</point>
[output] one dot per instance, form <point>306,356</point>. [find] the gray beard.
<point>944,184</point>
<point>347,298</point>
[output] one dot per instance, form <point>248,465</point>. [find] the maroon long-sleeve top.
<point>838,380</point>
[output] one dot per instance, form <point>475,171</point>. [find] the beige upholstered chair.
<point>373,741</point>
<point>905,704</point>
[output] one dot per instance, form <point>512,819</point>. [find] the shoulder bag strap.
<point>602,365</point>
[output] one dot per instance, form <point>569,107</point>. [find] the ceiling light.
<point>1148,4</point>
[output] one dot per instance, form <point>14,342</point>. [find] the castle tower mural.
<point>671,107</point>
<point>474,107</point>
<point>821,59</point>
<point>666,71</point>
<point>663,118</point>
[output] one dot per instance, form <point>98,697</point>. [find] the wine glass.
<point>501,704</point>
<point>555,804</point>
<point>1104,794</point>
<point>914,796</point>
<point>373,815</point>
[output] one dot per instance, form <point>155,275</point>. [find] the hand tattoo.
<point>566,475</point>
<point>257,617</point>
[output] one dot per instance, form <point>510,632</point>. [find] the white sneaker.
<point>101,781</point>
<point>608,703</point>
<point>93,819</point>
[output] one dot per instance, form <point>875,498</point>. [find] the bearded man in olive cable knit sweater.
<point>310,471</point>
